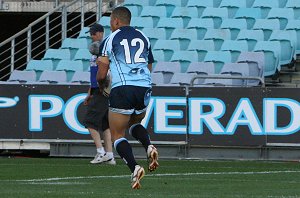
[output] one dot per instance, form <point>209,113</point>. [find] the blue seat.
<point>238,69</point>
<point>295,5</point>
<point>271,54</point>
<point>233,5</point>
<point>265,5</point>
<point>135,10</point>
<point>235,48</point>
<point>186,12</point>
<point>84,55</point>
<point>157,79</point>
<point>201,25</point>
<point>39,66</point>
<point>158,55</point>
<point>202,47</point>
<point>250,14</point>
<point>185,58</point>
<point>21,76</point>
<point>287,43</point>
<point>168,69</point>
<point>169,24</point>
<point>217,14</point>
<point>251,36</point>
<point>155,12</point>
<point>69,67</point>
<point>81,77</point>
<point>168,47</point>
<point>142,22</point>
<point>293,27</point>
<point>282,14</point>
<point>204,3</point>
<point>201,68</point>
<point>267,26</point>
<point>105,22</point>
<point>234,26</point>
<point>73,44</point>
<point>155,34</point>
<point>53,77</point>
<point>181,79</point>
<point>140,2</point>
<point>56,55</point>
<point>219,58</point>
<point>84,33</point>
<point>256,63</point>
<point>170,5</point>
<point>184,36</point>
<point>218,36</point>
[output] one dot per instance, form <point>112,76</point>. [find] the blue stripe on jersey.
<point>119,70</point>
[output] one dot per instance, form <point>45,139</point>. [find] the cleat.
<point>152,154</point>
<point>110,161</point>
<point>98,159</point>
<point>136,176</point>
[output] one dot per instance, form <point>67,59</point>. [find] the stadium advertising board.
<point>208,116</point>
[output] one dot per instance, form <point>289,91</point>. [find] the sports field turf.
<point>69,177</point>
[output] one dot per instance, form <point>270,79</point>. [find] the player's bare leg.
<point>100,150</point>
<point>108,158</point>
<point>141,134</point>
<point>118,125</point>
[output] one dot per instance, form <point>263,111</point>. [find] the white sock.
<point>110,154</point>
<point>100,150</point>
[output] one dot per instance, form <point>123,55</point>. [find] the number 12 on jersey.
<point>137,56</point>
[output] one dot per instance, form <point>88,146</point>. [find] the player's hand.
<point>87,99</point>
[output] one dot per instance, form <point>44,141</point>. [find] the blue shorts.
<point>129,99</point>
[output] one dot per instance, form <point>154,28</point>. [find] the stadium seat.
<point>169,24</point>
<point>159,56</point>
<point>267,25</point>
<point>295,5</point>
<point>250,14</point>
<point>204,3</point>
<point>84,55</point>
<point>184,36</point>
<point>140,2</point>
<point>142,22</point>
<point>235,48</point>
<point>135,10</point>
<point>21,76</point>
<point>170,5</point>
<point>157,79</point>
<point>293,26</point>
<point>185,58</point>
<point>168,69</point>
<point>265,6</point>
<point>168,47</point>
<point>39,66</point>
<point>233,5</point>
<point>218,36</point>
<point>201,25</point>
<point>84,33</point>
<point>288,41</point>
<point>271,54</point>
<point>217,14</point>
<point>202,47</point>
<point>234,26</point>
<point>251,36</point>
<point>255,61</point>
<point>155,12</point>
<point>69,66</point>
<point>155,34</point>
<point>186,12</point>
<point>73,44</point>
<point>219,58</point>
<point>53,77</point>
<point>105,22</point>
<point>181,79</point>
<point>56,55</point>
<point>237,69</point>
<point>201,68</point>
<point>219,82</point>
<point>282,14</point>
<point>81,77</point>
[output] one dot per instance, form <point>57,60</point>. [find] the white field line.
<point>152,175</point>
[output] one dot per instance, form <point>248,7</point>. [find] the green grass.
<point>69,177</point>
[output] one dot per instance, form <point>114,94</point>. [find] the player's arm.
<point>103,66</point>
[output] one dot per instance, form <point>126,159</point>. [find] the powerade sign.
<point>208,116</point>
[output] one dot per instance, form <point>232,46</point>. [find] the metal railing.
<point>66,20</point>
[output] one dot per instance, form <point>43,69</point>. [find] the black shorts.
<point>97,112</point>
<point>129,99</point>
